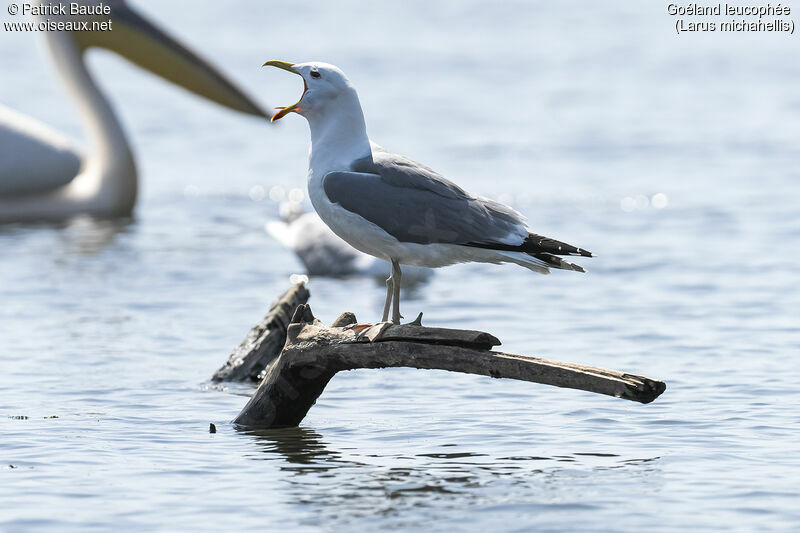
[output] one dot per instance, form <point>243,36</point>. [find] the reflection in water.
<point>81,235</point>
<point>88,236</point>
<point>383,485</point>
<point>297,445</point>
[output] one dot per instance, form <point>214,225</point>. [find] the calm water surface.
<point>672,158</point>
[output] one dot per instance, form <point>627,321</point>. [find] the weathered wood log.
<point>265,340</point>
<point>314,354</point>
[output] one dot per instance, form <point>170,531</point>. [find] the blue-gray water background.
<point>673,158</point>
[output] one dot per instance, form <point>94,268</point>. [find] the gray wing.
<point>33,157</point>
<point>415,204</point>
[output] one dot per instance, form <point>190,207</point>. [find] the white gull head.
<point>330,104</point>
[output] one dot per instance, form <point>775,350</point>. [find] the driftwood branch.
<point>265,341</point>
<point>313,354</point>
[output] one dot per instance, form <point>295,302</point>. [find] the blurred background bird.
<point>43,176</point>
<point>324,254</point>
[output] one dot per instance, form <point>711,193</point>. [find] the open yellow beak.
<point>295,106</point>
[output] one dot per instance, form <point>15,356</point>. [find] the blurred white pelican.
<point>42,176</point>
<point>324,254</point>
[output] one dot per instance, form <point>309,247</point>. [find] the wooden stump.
<point>265,340</point>
<point>313,354</point>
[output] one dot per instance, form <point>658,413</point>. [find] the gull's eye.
<point>315,74</point>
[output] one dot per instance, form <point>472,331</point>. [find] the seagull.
<point>43,176</point>
<point>323,253</point>
<point>391,207</point>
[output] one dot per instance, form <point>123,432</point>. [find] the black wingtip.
<point>538,243</point>
<point>534,244</point>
